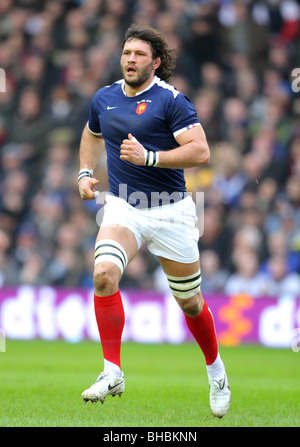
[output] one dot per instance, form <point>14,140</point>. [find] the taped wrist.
<point>85,173</point>
<point>151,158</point>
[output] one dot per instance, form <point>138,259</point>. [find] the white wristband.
<point>151,157</point>
<point>85,173</point>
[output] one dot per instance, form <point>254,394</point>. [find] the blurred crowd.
<point>235,62</point>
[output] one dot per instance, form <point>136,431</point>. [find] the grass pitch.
<point>166,386</point>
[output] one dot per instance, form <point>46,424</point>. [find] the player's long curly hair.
<point>159,46</point>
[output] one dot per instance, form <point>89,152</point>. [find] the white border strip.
<point>94,133</point>
<point>178,132</point>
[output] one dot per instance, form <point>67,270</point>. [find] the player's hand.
<point>132,151</point>
<point>86,188</point>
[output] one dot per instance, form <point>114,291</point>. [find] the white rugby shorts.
<point>170,231</point>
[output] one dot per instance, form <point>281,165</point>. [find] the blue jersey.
<point>154,117</point>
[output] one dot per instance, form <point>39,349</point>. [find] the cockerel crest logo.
<point>141,108</point>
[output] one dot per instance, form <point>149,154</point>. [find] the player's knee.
<point>193,306</point>
<point>186,290</point>
<point>110,262</point>
<point>106,278</point>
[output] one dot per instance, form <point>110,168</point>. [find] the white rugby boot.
<point>219,395</point>
<point>106,384</point>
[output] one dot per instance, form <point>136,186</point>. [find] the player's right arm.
<point>91,148</point>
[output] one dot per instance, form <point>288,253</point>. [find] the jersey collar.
<point>155,80</point>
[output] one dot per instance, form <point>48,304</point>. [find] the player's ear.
<point>156,63</point>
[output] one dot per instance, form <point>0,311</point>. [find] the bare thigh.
<point>122,235</point>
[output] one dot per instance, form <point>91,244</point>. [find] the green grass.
<point>166,386</point>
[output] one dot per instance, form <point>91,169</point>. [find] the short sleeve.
<point>182,115</point>
<point>94,122</point>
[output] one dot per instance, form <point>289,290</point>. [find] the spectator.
<point>277,245</point>
<point>281,281</point>
<point>29,125</point>
<point>137,274</point>
<point>247,279</point>
<point>88,253</point>
<point>244,34</point>
<point>207,105</point>
<point>235,123</point>
<point>31,271</point>
<point>213,277</point>
<point>228,179</point>
<point>215,237</point>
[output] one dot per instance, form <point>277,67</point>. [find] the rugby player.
<point>151,133</point>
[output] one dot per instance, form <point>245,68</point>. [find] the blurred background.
<point>235,60</point>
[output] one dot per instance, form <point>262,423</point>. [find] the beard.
<point>143,74</point>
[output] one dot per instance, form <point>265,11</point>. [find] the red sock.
<point>110,320</point>
<point>203,329</point>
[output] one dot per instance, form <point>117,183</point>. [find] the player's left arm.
<point>193,151</point>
